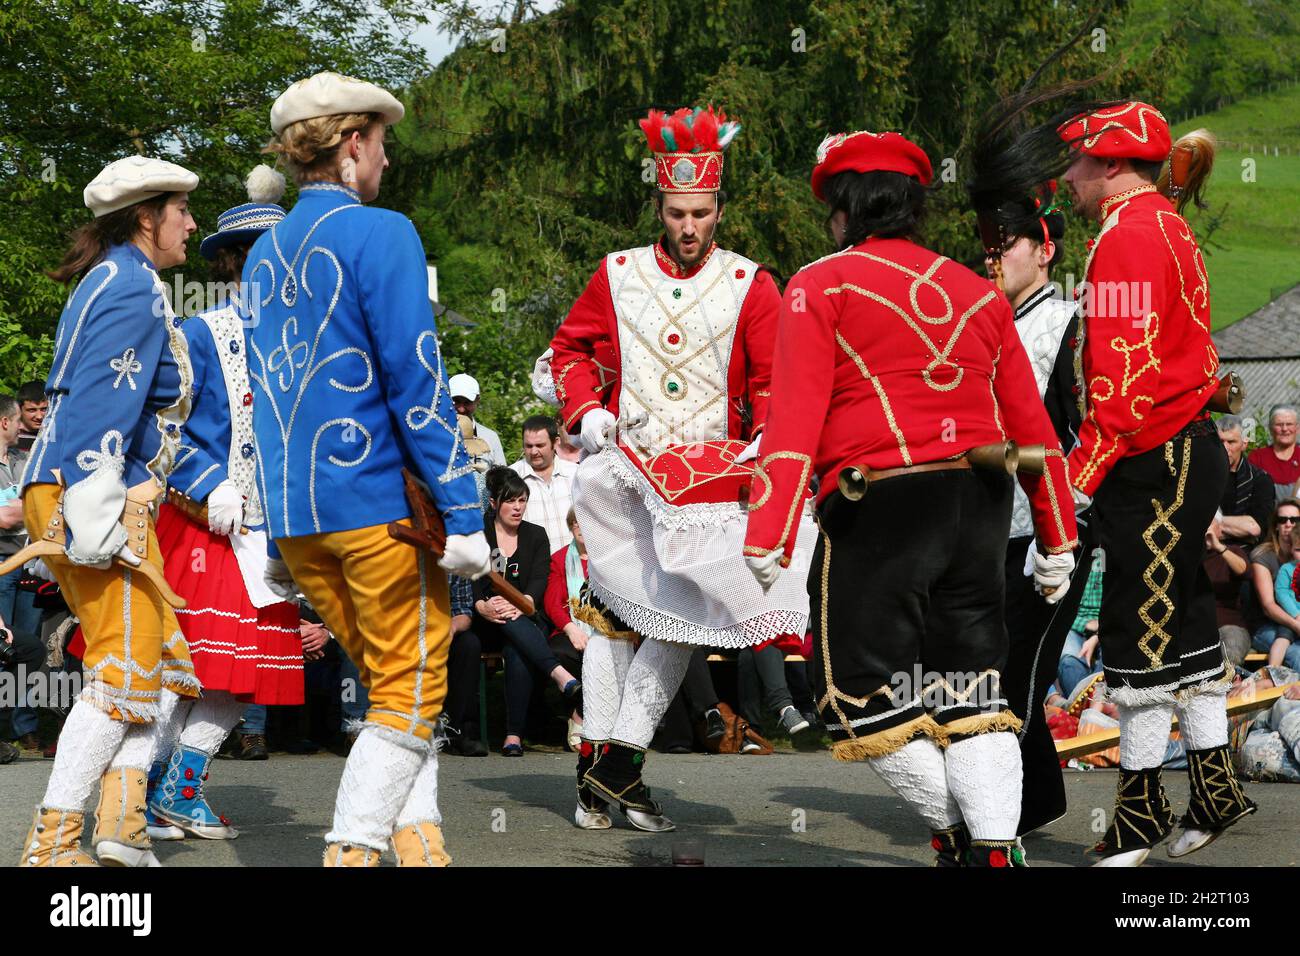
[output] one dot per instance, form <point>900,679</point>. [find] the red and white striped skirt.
<point>254,653</point>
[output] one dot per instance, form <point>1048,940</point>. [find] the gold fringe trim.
<point>598,622</point>
<point>885,742</point>
<point>977,724</point>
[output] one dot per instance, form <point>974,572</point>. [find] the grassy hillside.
<point>1254,253</point>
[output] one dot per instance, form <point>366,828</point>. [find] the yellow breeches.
<point>134,645</point>
<point>388,605</point>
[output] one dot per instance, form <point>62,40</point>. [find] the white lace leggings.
<point>650,684</point>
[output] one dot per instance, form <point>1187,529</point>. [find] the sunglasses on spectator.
<point>1287,519</point>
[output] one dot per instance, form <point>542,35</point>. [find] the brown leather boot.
<point>420,844</point>
<point>121,832</point>
<point>349,854</point>
<point>55,840</point>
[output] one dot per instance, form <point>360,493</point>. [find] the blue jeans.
<point>19,612</point>
<point>1263,639</point>
<point>254,719</point>
<point>1072,668</point>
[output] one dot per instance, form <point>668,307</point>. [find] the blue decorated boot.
<point>180,800</point>
<point>159,829</point>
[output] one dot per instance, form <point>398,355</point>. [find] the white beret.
<point>328,94</point>
<point>126,181</point>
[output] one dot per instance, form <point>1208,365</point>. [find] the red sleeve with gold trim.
<point>757,324</point>
<point>581,335</point>
<point>1025,421</point>
<point>1121,349</point>
<point>802,379</point>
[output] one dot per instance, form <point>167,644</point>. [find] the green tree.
<point>84,82</point>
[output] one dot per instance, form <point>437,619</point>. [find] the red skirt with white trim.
<point>253,653</point>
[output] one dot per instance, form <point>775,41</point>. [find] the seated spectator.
<point>1266,743</point>
<point>1287,595</point>
<point>549,479</point>
<point>1228,569</point>
<point>1268,623</point>
<point>695,705</point>
<point>1081,652</point>
<point>1278,459</point>
<point>464,396</point>
<point>769,667</point>
<point>520,553</point>
<point>460,710</point>
<point>1248,497</point>
<point>564,588</point>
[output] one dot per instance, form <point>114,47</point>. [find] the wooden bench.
<point>1091,743</point>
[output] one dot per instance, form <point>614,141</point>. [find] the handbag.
<point>738,732</point>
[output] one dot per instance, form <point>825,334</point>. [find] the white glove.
<point>764,569</point>
<point>279,579</point>
<point>225,508</point>
<point>466,555</point>
<point>39,569</point>
<point>1052,575</point>
<point>750,453</point>
<point>92,513</point>
<point>1081,501</point>
<point>597,425</point>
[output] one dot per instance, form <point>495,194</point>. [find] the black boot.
<point>1142,818</point>
<point>616,775</point>
<point>996,853</point>
<point>1217,800</point>
<point>952,846</point>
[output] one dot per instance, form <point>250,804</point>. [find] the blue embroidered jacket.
<point>119,384</point>
<point>348,382</point>
<point>217,444</point>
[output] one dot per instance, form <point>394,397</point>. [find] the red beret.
<point>865,152</point>
<point>1129,131</point>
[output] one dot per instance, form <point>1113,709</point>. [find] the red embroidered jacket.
<point>1147,359</point>
<point>892,355</point>
<point>588,340</point>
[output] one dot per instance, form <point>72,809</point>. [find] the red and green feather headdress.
<point>687,146</point>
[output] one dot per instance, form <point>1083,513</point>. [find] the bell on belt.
<point>853,482</point>
<point>1230,396</point>
<point>999,456</point>
<point>1033,459</point>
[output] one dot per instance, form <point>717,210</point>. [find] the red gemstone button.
<point>997,858</point>
<point>621,259</point>
<point>1074,343</point>
<point>187,793</point>
<point>248,398</point>
<point>189,773</point>
<point>740,273</point>
<point>938,846</point>
<point>674,338</point>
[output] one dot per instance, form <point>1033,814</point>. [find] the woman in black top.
<point>526,554</point>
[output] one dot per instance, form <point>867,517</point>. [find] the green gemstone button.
<point>677,293</point>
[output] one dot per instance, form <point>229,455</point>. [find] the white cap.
<point>127,181</point>
<point>328,94</point>
<point>466,386</point>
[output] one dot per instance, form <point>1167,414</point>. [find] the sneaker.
<point>8,752</point>
<point>252,747</point>
<point>749,747</point>
<point>714,725</point>
<point>792,721</point>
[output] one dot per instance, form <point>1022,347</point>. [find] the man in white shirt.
<point>464,395</point>
<point>549,480</point>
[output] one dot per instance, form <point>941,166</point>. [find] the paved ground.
<point>788,808</point>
